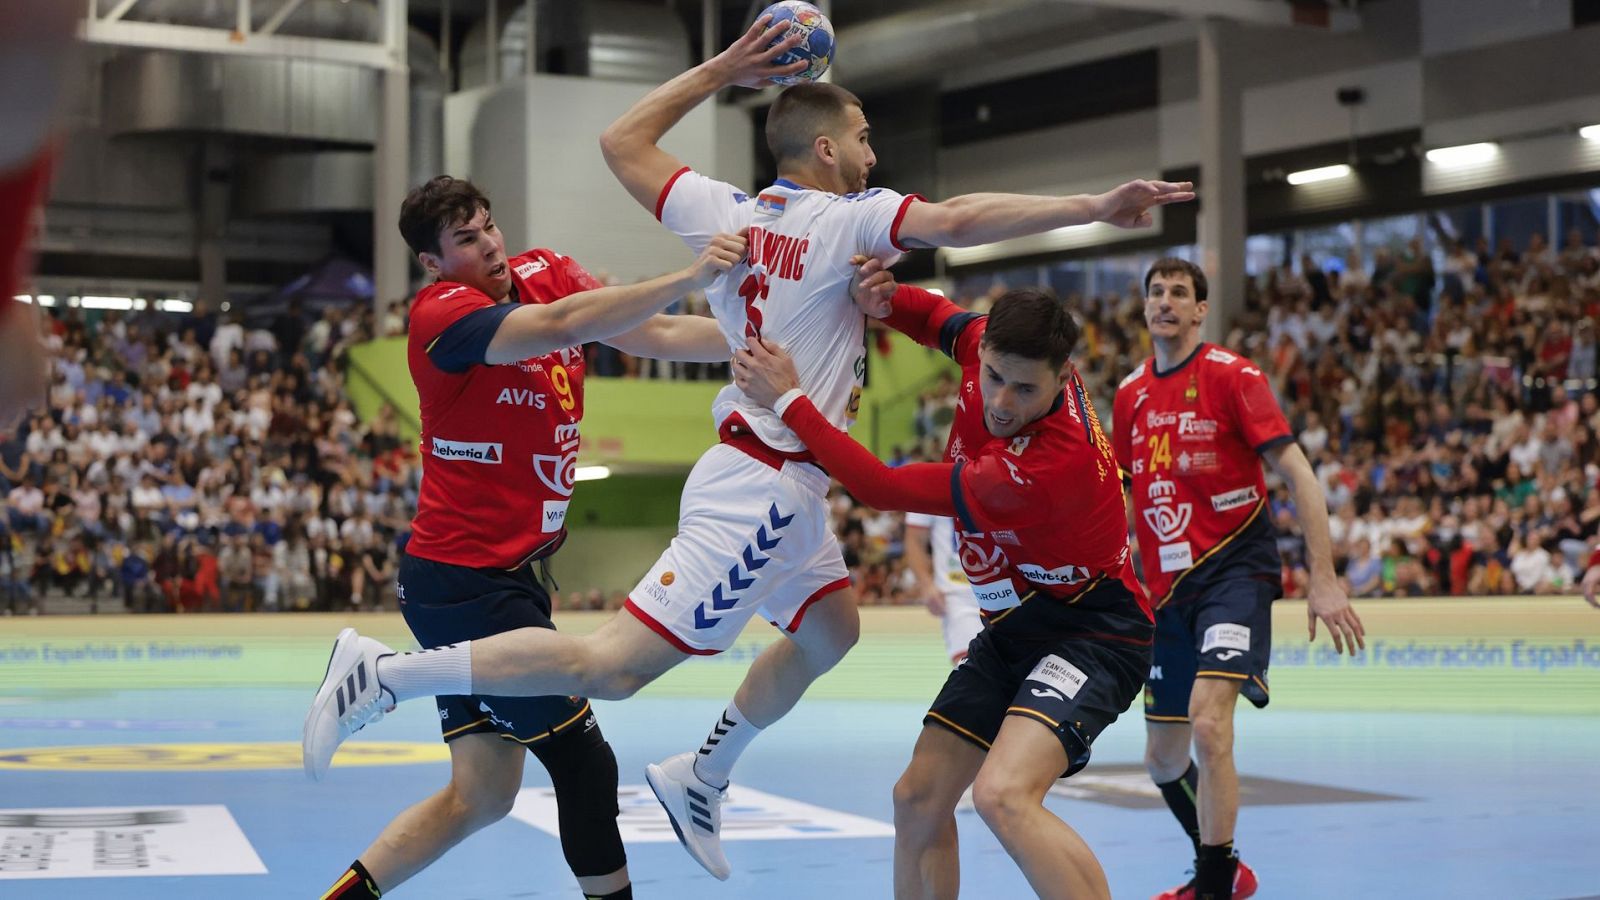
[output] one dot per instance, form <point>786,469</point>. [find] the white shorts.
<point>751,538</point>
<point>962,621</point>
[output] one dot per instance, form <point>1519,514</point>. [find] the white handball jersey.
<point>947,569</point>
<point>794,287</point>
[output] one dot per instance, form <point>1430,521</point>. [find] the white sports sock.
<point>733,732</point>
<point>440,672</point>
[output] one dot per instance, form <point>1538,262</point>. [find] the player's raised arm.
<point>630,144</point>
<point>972,219</point>
<point>534,329</point>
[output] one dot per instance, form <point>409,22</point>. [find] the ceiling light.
<point>1590,132</point>
<point>1464,154</point>
<point>92,302</point>
<point>1325,173</point>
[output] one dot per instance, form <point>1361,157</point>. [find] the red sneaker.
<point>1244,886</point>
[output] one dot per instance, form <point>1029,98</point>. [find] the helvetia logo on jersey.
<point>490,454</point>
<point>1233,499</point>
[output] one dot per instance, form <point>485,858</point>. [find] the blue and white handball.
<point>817,47</point>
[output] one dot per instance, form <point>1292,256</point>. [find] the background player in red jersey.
<point>495,352</point>
<point>1033,484</point>
<point>1192,426</point>
<point>35,41</point>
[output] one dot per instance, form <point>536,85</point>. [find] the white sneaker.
<point>350,698</point>
<point>694,808</point>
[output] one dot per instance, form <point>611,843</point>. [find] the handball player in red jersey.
<point>495,349</point>
<point>1032,483</point>
<point>1192,426</point>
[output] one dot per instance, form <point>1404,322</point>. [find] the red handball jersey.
<point>499,443</point>
<point>1040,512</point>
<point>1191,440</point>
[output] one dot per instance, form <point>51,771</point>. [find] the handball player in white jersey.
<point>930,550</point>
<point>753,533</point>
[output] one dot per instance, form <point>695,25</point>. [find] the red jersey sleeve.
<point>442,306</point>
<point>1256,412</point>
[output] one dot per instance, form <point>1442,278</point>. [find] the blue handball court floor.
<point>148,757</point>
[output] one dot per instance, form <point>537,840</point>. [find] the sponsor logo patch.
<point>1068,574</point>
<point>996,595</point>
<point>1176,557</point>
<point>1233,637</point>
<point>488,453</point>
<point>555,516</point>
<point>1244,496</point>
<point>1059,674</point>
<point>1169,522</point>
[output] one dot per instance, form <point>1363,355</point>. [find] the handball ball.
<point>816,49</point>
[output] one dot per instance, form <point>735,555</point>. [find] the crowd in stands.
<point>196,463</point>
<point>1451,413</point>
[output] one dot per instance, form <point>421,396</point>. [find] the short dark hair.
<point>432,207</point>
<point>1171,265</point>
<point>1032,324</point>
<point>803,112</point>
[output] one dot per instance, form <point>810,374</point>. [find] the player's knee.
<point>1000,802</point>
<point>1213,732</point>
<point>480,804</point>
<point>612,684</point>
<point>913,794</point>
<point>584,774</point>
<point>1165,763</point>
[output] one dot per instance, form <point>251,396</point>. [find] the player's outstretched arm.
<point>678,338</point>
<point>972,219</point>
<point>1325,598</point>
<point>630,144</point>
<point>534,329</point>
<point>767,375</point>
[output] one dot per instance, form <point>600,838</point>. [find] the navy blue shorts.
<point>444,604</point>
<point>1224,631</point>
<point>1072,669</point>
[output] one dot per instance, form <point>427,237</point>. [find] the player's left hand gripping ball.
<point>816,47</point>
